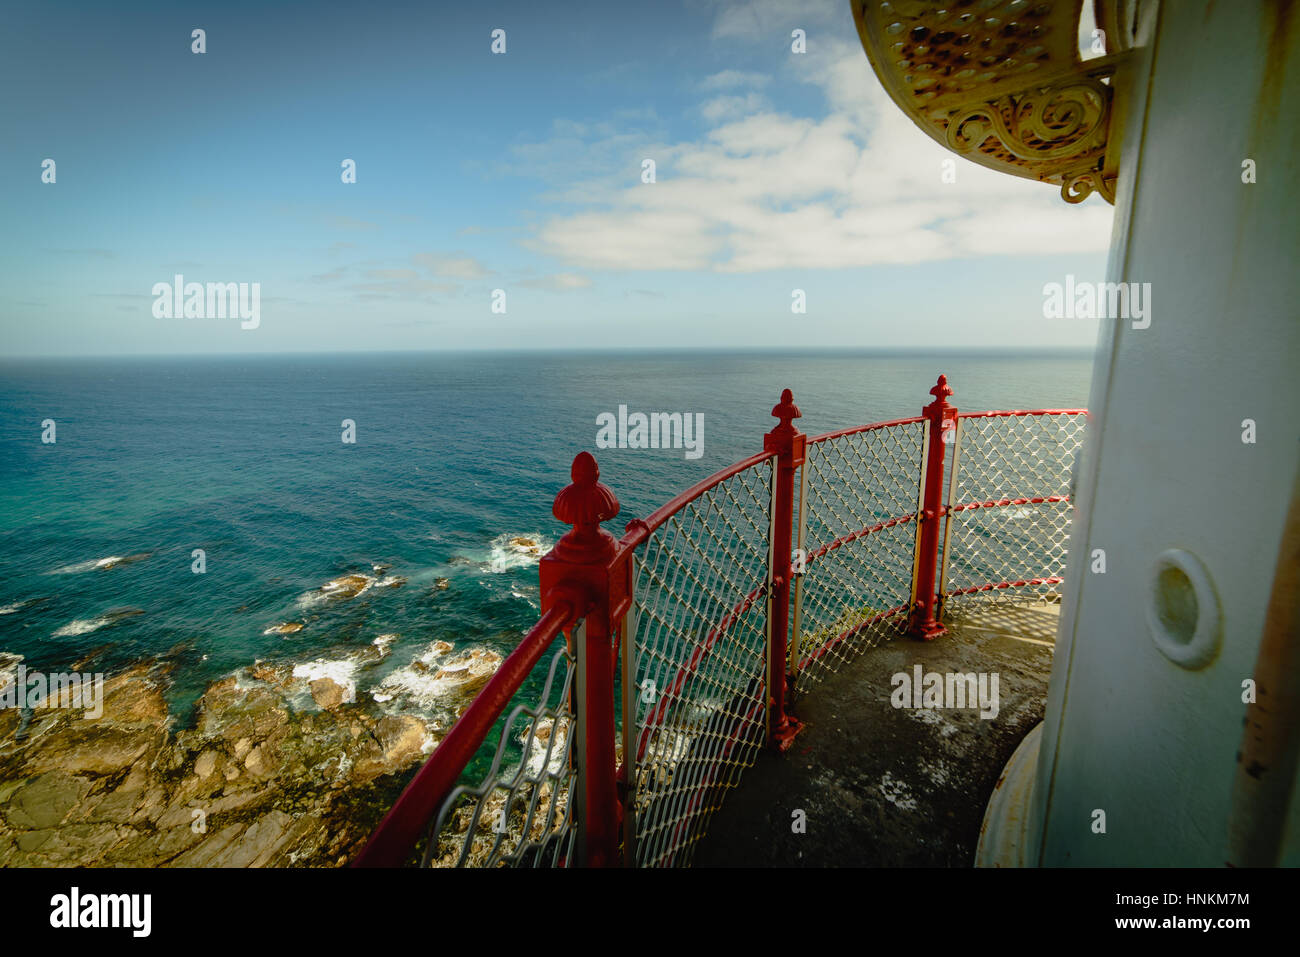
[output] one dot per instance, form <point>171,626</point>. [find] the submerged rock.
<point>287,628</point>
<point>113,562</point>
<point>349,586</point>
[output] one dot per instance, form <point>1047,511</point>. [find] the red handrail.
<point>391,843</point>
<point>840,433</point>
<point>992,415</point>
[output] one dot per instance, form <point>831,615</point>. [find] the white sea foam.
<point>416,682</point>
<point>82,626</point>
<point>535,762</point>
<point>341,671</point>
<point>87,566</point>
<point>10,609</point>
<point>310,599</point>
<point>511,551</point>
<point>346,587</point>
<point>405,685</point>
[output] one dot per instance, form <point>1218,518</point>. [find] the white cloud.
<point>765,190</point>
<point>392,274</point>
<point>560,282</point>
<point>732,107</point>
<point>403,289</point>
<point>453,266</point>
<point>731,79</point>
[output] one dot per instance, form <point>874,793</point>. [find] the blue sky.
<point>775,171</point>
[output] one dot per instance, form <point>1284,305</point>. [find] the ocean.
<point>454,457</point>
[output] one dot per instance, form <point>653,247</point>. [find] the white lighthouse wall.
<point>1130,733</point>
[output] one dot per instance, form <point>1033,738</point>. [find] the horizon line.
<point>800,351</point>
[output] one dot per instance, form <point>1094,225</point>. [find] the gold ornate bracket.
<point>1001,83</point>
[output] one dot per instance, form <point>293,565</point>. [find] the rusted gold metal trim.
<point>1001,83</point>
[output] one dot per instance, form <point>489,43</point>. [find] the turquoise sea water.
<point>454,456</point>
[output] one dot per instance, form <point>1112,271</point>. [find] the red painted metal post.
<point>789,444</point>
<point>941,421</point>
<point>587,569</point>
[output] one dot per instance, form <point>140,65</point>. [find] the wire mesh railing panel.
<point>699,653</point>
<point>1011,506</point>
<point>520,814</point>
<point>859,504</point>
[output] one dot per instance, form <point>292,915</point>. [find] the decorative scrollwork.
<point>1040,124</point>
<point>1076,187</point>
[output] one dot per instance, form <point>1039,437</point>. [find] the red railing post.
<point>587,569</point>
<point>941,421</point>
<point>789,444</point>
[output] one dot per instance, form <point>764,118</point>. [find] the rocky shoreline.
<point>277,771</point>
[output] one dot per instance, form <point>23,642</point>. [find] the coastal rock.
<point>207,763</point>
<point>441,584</point>
<point>468,674</point>
<point>327,693</point>
<point>136,696</point>
<point>45,800</point>
<point>401,737</point>
<point>229,710</point>
<point>254,782</point>
<point>281,676</point>
<point>348,586</point>
<point>256,762</point>
<point>285,628</point>
<point>92,748</point>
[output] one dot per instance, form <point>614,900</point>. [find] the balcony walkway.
<point>886,787</point>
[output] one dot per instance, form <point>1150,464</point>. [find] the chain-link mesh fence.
<point>858,502</point>
<point>698,641</point>
<point>1009,507</point>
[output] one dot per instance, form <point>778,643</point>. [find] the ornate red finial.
<point>941,389</point>
<point>786,410</point>
<point>584,505</point>
<point>587,501</point>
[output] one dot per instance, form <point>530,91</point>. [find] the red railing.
<point>392,842</point>
<point>700,621</point>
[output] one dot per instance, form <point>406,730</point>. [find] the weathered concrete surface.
<point>887,787</point>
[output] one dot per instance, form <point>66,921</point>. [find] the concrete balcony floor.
<point>884,786</point>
